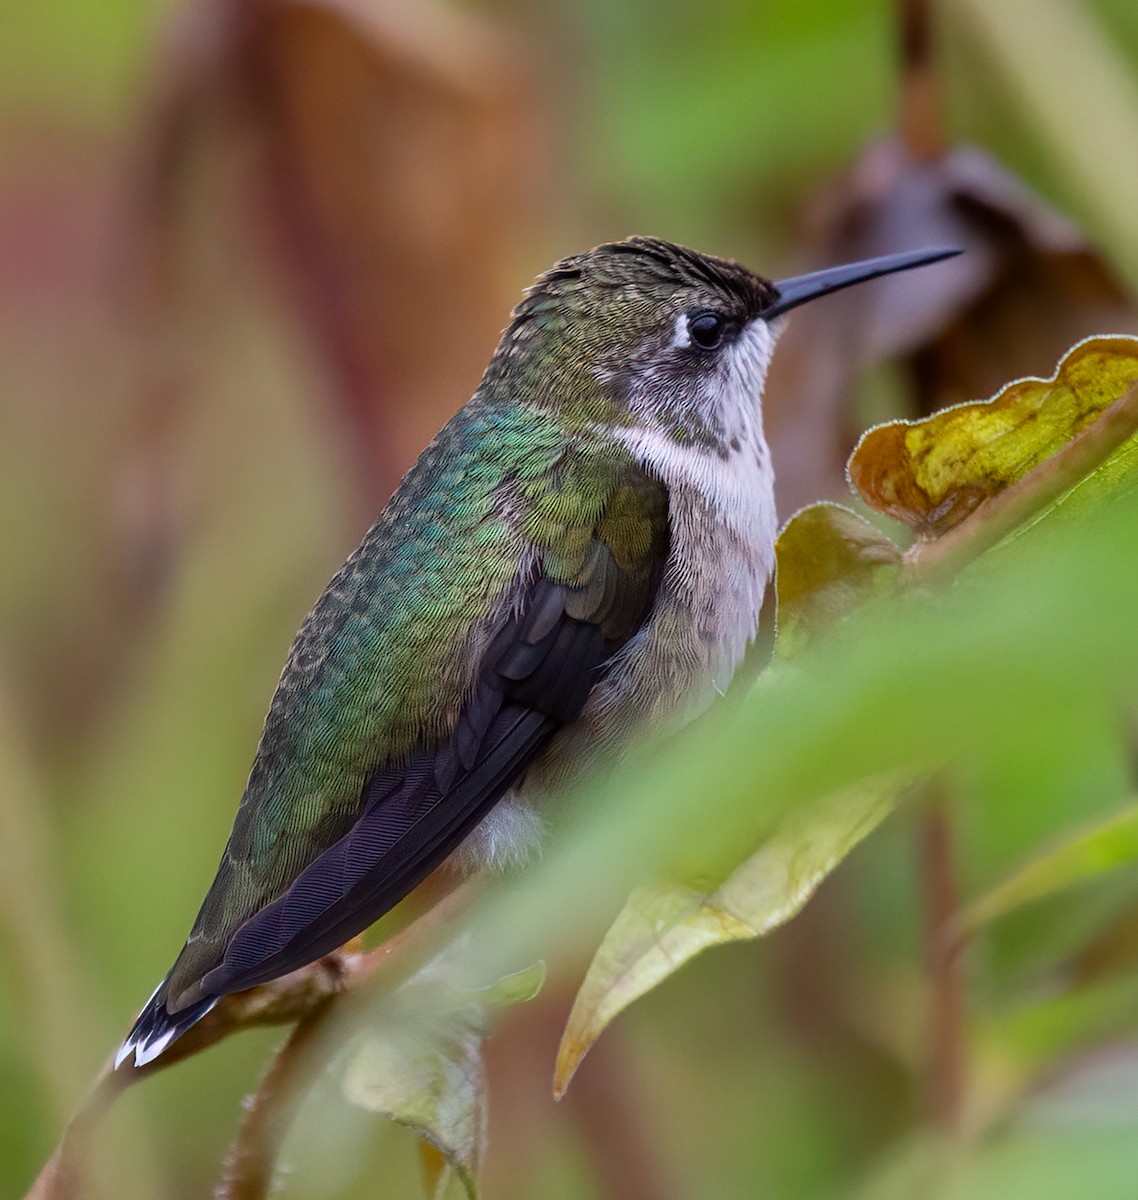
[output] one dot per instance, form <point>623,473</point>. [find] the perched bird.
<point>582,550</point>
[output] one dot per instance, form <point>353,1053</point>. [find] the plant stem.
<point>304,998</point>
<point>62,1177</point>
<point>946,1062</point>
<point>616,1126</point>
<point>251,1162</point>
<point>919,104</point>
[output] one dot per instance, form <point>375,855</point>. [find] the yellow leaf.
<point>930,474</point>
<point>664,925</point>
<point>829,561</point>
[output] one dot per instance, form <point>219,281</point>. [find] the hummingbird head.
<point>647,332</point>
<point>650,333</point>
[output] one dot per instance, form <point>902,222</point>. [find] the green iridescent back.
<point>387,657</point>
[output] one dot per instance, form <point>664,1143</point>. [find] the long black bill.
<point>796,291</point>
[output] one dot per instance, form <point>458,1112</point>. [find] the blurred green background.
<point>252,255</point>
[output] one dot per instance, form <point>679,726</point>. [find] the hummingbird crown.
<point>648,270</point>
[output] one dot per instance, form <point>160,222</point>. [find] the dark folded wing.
<point>534,679</point>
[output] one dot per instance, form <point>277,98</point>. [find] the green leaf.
<point>1036,1162</point>
<point>830,562</point>
<point>664,925</point>
<point>1078,856</point>
<point>422,1068</point>
<point>1055,1023</point>
<point>932,473</point>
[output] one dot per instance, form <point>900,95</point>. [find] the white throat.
<point>734,476</point>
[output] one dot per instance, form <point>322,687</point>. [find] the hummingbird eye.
<point>707,329</point>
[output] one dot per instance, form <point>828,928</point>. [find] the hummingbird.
<point>579,554</point>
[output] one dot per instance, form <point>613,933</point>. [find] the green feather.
<point>387,657</point>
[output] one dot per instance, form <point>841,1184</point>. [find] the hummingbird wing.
<point>469,626</point>
<point>534,679</point>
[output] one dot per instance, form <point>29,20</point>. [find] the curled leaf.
<point>829,561</point>
<point>388,156</point>
<point>932,473</point>
<point>423,1069</point>
<point>396,150</point>
<point>664,925</point>
<point>435,1088</point>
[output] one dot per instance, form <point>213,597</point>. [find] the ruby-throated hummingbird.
<point>581,552</point>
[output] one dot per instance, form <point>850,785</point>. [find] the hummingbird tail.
<point>157,1027</point>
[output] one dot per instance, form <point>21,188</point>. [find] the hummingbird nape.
<point>579,554</point>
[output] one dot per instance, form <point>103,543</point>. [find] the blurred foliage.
<point>251,256</point>
<point>661,927</point>
<point>430,1076</point>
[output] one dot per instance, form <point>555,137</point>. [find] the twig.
<point>290,998</point>
<point>61,1177</point>
<point>938,560</point>
<point>270,1111</point>
<point>946,1064</point>
<point>303,997</point>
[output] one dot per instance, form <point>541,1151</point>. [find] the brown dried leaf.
<point>60,377</point>
<point>396,148</point>
<point>381,158</point>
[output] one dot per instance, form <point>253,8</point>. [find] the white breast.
<point>723,526</point>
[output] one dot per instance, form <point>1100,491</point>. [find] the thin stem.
<point>303,997</point>
<point>947,1055</point>
<point>269,1113</point>
<point>920,103</point>
<point>62,1175</point>
<point>616,1126</point>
